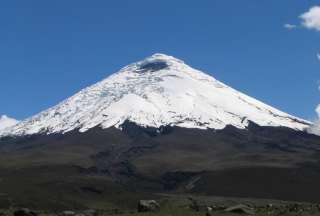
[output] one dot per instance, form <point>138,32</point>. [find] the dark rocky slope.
<point>111,164</point>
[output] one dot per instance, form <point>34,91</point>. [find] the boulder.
<point>209,211</point>
<point>68,213</point>
<point>148,206</point>
<point>90,212</point>
<point>244,209</point>
<point>218,207</point>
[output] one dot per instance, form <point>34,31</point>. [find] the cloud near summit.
<point>315,129</point>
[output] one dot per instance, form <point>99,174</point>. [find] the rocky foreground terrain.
<point>183,205</point>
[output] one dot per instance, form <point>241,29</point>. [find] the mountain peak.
<point>153,63</point>
<point>157,91</point>
<point>163,57</point>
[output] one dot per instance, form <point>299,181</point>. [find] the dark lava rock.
<point>153,66</point>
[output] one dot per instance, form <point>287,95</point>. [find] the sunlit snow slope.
<point>160,90</point>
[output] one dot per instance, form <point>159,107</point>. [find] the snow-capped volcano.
<point>160,90</point>
<point>6,122</point>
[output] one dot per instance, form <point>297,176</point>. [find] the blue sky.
<point>49,50</point>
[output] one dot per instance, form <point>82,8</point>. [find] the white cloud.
<point>6,122</point>
<point>290,26</point>
<point>315,128</point>
<point>311,18</point>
